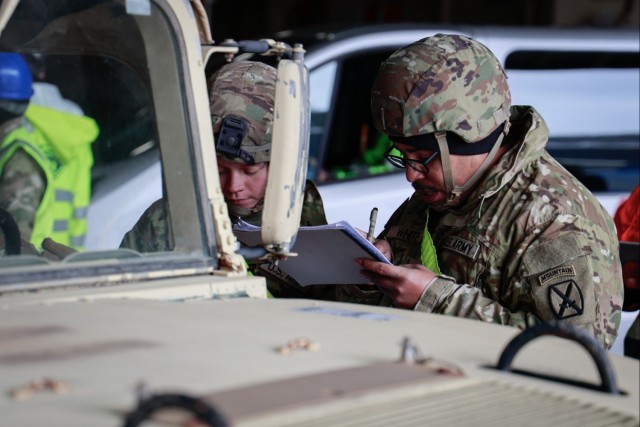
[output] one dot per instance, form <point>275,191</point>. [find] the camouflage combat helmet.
<point>446,93</point>
<point>445,82</point>
<point>242,97</point>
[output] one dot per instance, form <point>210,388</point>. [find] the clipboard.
<point>326,253</point>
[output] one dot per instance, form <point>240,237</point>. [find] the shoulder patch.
<point>565,270</point>
<point>462,246</point>
<point>565,299</point>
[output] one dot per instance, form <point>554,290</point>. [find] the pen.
<point>372,224</point>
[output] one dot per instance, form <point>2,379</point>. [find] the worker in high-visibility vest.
<point>45,161</point>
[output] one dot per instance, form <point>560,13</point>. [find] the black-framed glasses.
<point>402,162</point>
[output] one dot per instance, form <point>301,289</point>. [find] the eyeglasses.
<point>402,163</point>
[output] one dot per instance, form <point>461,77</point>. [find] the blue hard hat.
<point>15,77</point>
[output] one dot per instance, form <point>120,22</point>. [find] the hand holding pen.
<point>382,245</point>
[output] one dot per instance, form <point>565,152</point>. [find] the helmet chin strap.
<point>453,191</point>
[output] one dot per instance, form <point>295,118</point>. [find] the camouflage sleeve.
<point>569,269</point>
<point>22,185</point>
<point>152,231</point>
<point>312,206</point>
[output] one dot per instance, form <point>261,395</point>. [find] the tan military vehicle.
<point>187,337</point>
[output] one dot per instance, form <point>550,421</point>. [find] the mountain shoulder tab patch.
<point>563,271</point>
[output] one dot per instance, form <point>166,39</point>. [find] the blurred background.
<point>270,16</point>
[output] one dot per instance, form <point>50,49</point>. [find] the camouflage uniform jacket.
<point>22,183</point>
<point>531,243</point>
<point>152,234</point>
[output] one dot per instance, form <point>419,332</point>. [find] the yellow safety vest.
<point>428,250</point>
<point>60,143</point>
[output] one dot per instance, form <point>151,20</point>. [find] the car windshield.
<point>579,93</point>
<point>586,103</point>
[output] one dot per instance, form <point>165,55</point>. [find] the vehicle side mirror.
<point>289,156</point>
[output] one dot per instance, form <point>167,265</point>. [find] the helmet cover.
<point>242,96</point>
<point>445,82</point>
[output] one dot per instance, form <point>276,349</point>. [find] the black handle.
<point>198,408</point>
<point>569,331</point>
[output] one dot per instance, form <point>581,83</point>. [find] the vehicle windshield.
<point>114,67</point>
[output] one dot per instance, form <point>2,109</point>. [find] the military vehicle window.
<point>90,127</point>
<point>113,95</point>
<point>354,149</point>
<point>590,103</point>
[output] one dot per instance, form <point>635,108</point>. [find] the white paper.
<point>326,254</point>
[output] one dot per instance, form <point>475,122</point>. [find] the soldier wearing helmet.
<point>518,239</point>
<point>45,161</point>
<point>242,96</point>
